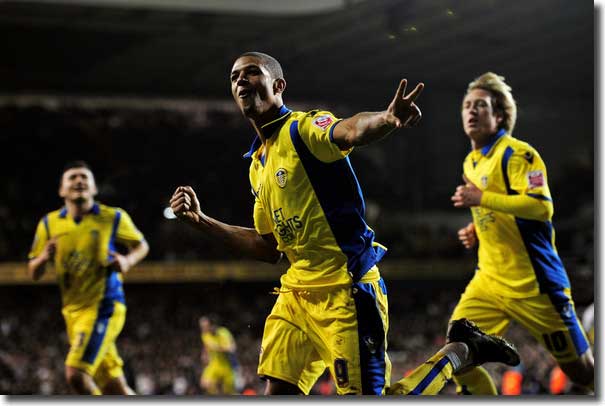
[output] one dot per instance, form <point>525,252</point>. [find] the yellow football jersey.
<point>83,253</point>
<point>517,255</point>
<point>307,195</point>
<point>222,338</point>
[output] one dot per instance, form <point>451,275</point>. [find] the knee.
<point>76,379</point>
<point>277,387</point>
<point>118,386</point>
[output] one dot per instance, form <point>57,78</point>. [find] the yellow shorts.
<point>342,328</point>
<point>92,335</point>
<point>220,373</point>
<point>551,318</point>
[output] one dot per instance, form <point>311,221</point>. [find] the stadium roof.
<point>340,49</point>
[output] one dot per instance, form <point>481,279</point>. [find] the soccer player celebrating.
<point>218,355</point>
<point>80,241</point>
<point>332,309</point>
<point>519,273</point>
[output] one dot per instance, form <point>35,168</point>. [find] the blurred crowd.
<point>140,153</point>
<point>161,345</point>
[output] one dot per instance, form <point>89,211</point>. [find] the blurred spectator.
<point>127,147</point>
<point>161,338</point>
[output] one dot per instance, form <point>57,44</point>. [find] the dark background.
<point>141,91</point>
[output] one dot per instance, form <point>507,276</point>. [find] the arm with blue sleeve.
<point>529,196</point>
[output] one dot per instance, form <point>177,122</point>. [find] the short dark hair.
<point>269,62</point>
<point>76,164</point>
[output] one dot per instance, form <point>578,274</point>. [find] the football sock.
<point>475,381</point>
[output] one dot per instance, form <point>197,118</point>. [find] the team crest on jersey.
<point>535,179</point>
<point>282,177</point>
<point>322,121</point>
<point>484,181</point>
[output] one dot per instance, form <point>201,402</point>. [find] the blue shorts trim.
<point>371,339</point>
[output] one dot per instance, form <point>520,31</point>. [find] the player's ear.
<point>94,189</point>
<point>279,85</point>
<point>62,192</point>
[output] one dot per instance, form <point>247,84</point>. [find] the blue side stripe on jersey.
<point>371,339</point>
<point>114,230</point>
<point>98,331</point>
<point>341,199</point>
<point>505,157</point>
<point>549,269</point>
<point>537,238</point>
<point>426,381</point>
<point>383,286</point>
<point>539,197</point>
<point>46,227</point>
<point>562,304</point>
<point>113,285</point>
<point>233,361</point>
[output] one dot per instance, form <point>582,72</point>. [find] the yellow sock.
<point>97,392</point>
<point>477,381</point>
<point>428,379</point>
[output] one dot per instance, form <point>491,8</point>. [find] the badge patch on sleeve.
<point>535,179</point>
<point>323,121</point>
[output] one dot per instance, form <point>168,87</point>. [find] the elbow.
<point>549,211</point>
<point>348,140</point>
<point>139,252</point>
<point>144,249</point>
<point>544,212</point>
<point>32,271</point>
<point>353,139</point>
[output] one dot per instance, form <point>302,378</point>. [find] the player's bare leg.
<point>581,371</point>
<point>209,386</point>
<point>277,387</point>
<point>80,382</point>
<point>118,386</point>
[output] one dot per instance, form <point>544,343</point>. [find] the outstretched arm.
<point>246,241</point>
<point>365,128</point>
